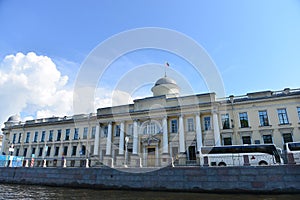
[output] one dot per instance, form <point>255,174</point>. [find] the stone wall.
<point>276,179</point>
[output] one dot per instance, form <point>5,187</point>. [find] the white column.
<point>96,143</point>
<point>135,137</point>
<point>165,135</point>
<point>216,129</point>
<point>3,149</point>
<point>181,135</point>
<point>108,139</point>
<point>198,133</point>
<point>121,142</point>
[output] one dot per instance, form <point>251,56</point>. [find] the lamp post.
<point>126,150</point>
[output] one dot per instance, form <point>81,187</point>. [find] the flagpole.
<point>166,65</point>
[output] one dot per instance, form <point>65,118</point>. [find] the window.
<point>56,151</point>
<point>244,120</point>
<point>117,131</point>
<point>287,137</point>
<point>298,110</point>
<point>67,136</point>
<point>225,121</point>
<point>36,135</point>
<point>207,125</point>
<point>150,128</point>
<point>51,136</point>
<point>20,136</point>
<point>25,152</point>
<point>65,150</point>
<point>246,139</point>
<point>227,141</point>
<point>192,153</point>
<point>17,152</point>
<point>48,151</point>
<point>76,131</point>
<point>263,118</point>
<point>14,138</point>
<point>282,115</point>
<point>41,151</point>
<point>92,150</point>
<point>74,150</point>
<point>105,131</point>
<point>130,129</point>
<point>83,149</point>
<point>27,137</point>
<point>174,126</point>
<point>58,135</point>
<point>85,132</point>
<point>267,139</point>
<point>190,124</point>
<point>33,151</point>
<point>174,152</point>
<point>43,136</point>
<point>93,132</point>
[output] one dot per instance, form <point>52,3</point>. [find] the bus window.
<point>293,148</point>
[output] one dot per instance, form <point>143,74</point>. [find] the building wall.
<point>47,126</point>
<point>276,179</point>
<point>107,146</point>
<point>274,128</point>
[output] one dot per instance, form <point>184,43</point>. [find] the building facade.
<point>1,138</point>
<point>156,130</point>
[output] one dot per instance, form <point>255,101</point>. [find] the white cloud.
<point>107,98</point>
<point>32,85</point>
<point>32,81</point>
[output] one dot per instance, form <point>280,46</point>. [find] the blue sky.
<point>255,44</point>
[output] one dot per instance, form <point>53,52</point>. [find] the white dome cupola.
<point>165,86</point>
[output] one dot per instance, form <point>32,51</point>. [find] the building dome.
<point>165,80</point>
<point>165,86</point>
<point>14,118</point>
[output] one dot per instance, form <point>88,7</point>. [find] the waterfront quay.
<point>250,179</point>
<point>30,192</point>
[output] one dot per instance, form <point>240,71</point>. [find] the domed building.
<point>157,130</point>
<point>166,86</point>
<point>14,119</point>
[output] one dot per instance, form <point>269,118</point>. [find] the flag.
<point>167,64</point>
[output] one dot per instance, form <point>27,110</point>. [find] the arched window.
<point>151,128</point>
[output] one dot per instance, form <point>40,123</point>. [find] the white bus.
<point>292,148</point>
<point>263,154</point>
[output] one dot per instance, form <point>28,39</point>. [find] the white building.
<point>154,130</point>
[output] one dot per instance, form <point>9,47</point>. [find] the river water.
<point>8,191</point>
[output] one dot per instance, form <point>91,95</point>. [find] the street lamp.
<point>126,150</point>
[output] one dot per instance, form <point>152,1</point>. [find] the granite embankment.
<point>266,179</point>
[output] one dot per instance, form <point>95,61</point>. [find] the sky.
<point>254,45</point>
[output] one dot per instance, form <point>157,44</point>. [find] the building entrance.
<point>151,157</point>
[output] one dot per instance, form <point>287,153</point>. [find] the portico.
<point>156,124</point>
